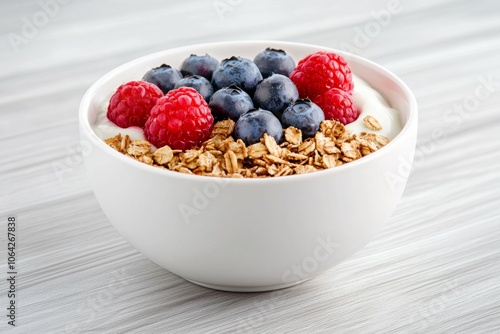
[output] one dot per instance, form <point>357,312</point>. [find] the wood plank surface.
<point>435,266</point>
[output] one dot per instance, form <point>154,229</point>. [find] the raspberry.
<point>321,71</point>
<point>132,102</point>
<point>337,105</point>
<point>181,119</point>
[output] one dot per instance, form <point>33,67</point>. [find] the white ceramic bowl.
<point>248,234</point>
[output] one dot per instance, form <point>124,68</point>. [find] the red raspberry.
<point>132,102</point>
<point>181,119</point>
<point>337,105</point>
<point>320,71</point>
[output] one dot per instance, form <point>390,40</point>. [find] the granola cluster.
<point>223,156</point>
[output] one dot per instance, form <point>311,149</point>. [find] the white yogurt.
<point>364,97</point>
<point>371,103</point>
<point>105,129</point>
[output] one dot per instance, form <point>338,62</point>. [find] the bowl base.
<point>235,288</point>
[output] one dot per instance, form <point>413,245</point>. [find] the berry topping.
<point>272,61</point>
<point>337,105</point>
<point>199,65</point>
<point>201,84</point>
<point>321,71</point>
<point>238,71</point>
<point>275,93</point>
<point>132,102</point>
<point>304,115</point>
<point>252,125</point>
<point>230,102</point>
<point>181,119</point>
<point>163,76</point>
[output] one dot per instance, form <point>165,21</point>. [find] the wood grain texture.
<point>434,268</point>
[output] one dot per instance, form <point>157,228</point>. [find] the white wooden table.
<point>435,266</point>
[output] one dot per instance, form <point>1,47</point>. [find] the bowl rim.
<point>88,133</point>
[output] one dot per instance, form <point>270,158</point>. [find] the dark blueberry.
<point>164,76</point>
<point>238,71</point>
<point>230,102</point>
<point>275,93</point>
<point>272,61</point>
<point>304,115</point>
<point>201,84</point>
<point>199,65</point>
<point>252,125</point>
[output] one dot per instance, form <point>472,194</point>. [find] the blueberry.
<point>201,84</point>
<point>252,125</point>
<point>164,76</point>
<point>272,61</point>
<point>275,93</point>
<point>199,65</point>
<point>230,102</point>
<point>238,71</point>
<point>304,115</point>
